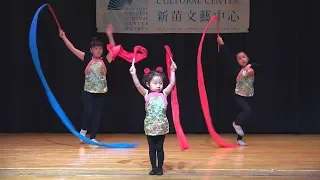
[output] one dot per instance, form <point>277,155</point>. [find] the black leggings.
<point>156,150</point>
<point>93,106</point>
<point>246,110</point>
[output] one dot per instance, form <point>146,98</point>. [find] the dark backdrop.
<point>282,37</point>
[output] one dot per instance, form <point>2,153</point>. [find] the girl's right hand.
<point>109,29</point>
<point>132,70</point>
<point>62,34</point>
<point>220,40</point>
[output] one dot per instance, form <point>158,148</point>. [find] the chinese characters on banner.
<point>172,16</point>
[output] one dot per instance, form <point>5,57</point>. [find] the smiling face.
<point>242,59</point>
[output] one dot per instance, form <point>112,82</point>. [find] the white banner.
<point>172,16</point>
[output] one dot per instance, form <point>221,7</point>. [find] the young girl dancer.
<point>95,85</point>
<point>156,124</point>
<point>244,87</point>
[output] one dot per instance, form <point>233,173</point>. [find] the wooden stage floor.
<point>61,156</point>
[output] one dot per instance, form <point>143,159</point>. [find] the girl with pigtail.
<point>156,124</point>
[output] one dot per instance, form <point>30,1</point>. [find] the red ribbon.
<point>139,53</point>
<point>203,95</point>
<point>175,106</point>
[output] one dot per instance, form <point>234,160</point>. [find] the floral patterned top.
<point>95,76</point>
<point>156,122</point>
<point>244,85</point>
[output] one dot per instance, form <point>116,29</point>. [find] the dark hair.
<point>148,77</point>
<point>243,53</point>
<point>95,42</point>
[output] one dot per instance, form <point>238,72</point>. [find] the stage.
<point>61,156</point>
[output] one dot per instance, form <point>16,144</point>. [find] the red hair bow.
<point>159,69</point>
<point>146,71</point>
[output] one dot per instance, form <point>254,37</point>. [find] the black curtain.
<point>282,37</point>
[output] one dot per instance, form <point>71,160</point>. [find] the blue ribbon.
<point>54,103</point>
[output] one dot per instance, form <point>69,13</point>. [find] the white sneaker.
<point>238,129</point>
<point>94,140</point>
<point>241,143</point>
<point>83,133</point>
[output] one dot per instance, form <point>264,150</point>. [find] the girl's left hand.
<point>109,29</point>
<point>248,66</point>
<point>173,66</point>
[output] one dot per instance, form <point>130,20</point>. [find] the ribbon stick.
<point>175,105</point>
<point>171,59</point>
<point>203,95</point>
<point>218,29</point>
<point>52,100</point>
<point>133,61</point>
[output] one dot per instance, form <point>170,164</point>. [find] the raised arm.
<point>109,32</point>
<point>172,83</point>
<point>136,81</point>
<point>227,54</point>
<point>74,50</point>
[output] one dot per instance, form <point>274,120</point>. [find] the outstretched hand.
<point>220,40</point>
<point>248,66</point>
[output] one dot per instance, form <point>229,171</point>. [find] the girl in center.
<point>156,124</point>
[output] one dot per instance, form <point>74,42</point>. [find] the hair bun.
<point>159,69</point>
<point>146,71</point>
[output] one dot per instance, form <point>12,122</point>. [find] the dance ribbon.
<point>139,53</point>
<point>53,102</point>
<point>175,105</point>
<point>54,16</point>
<point>203,95</point>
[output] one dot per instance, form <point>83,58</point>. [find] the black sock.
<point>239,137</point>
